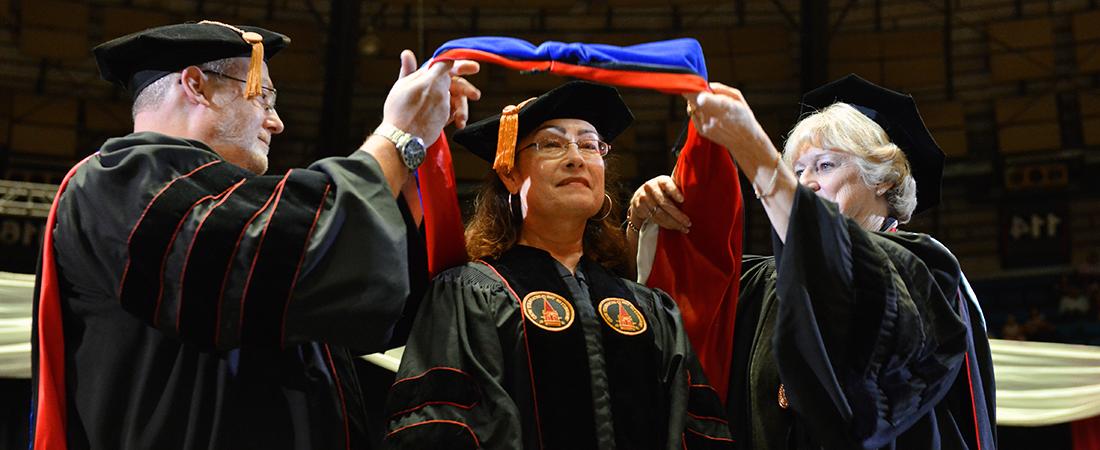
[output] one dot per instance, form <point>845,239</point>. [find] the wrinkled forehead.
<point>811,149</point>
<point>799,146</point>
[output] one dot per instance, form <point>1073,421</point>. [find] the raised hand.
<point>420,102</point>
<point>655,201</point>
<point>724,117</point>
<point>462,91</point>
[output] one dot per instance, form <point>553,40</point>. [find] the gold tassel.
<point>254,84</point>
<point>507,135</point>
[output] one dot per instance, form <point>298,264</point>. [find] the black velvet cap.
<point>136,60</point>
<point>597,104</point>
<point>897,114</point>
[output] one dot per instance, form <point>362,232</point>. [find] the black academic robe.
<point>205,307</point>
<point>850,339</point>
<point>520,353</point>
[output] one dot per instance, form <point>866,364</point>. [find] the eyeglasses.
<point>267,95</point>
<point>556,148</point>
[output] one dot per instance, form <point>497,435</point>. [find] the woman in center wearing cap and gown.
<point>538,343</point>
<point>855,334</point>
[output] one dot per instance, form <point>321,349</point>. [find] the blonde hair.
<point>841,127</point>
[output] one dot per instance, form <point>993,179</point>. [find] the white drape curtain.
<point>16,295</point>
<point>1041,383</point>
<point>1038,383</point>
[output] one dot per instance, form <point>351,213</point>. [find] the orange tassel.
<point>254,84</point>
<point>507,137</point>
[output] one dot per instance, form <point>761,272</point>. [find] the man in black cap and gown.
<point>185,299</point>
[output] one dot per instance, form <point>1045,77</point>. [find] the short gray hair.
<point>842,127</point>
<point>153,94</point>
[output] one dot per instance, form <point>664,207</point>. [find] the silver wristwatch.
<point>411,148</point>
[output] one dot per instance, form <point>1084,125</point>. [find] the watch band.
<point>409,147</point>
<point>394,134</point>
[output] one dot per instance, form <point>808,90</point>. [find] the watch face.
<point>413,152</point>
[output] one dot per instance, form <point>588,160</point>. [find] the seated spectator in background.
<point>1073,302</point>
<point>1012,330</point>
<point>1089,271</point>
<point>1037,328</point>
<point>1091,267</point>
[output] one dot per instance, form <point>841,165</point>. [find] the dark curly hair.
<point>495,227</point>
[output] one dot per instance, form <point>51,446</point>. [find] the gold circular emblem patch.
<point>548,310</point>
<point>622,316</point>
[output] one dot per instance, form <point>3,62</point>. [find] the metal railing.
<point>23,199</point>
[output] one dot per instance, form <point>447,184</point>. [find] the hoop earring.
<point>515,208</point>
<point>610,205</point>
